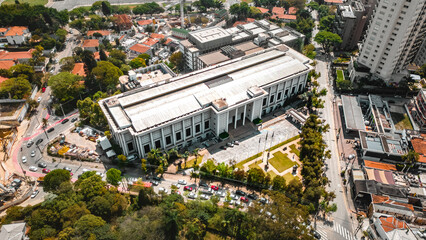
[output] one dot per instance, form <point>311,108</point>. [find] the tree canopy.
<point>66,86</point>
<point>16,88</point>
<point>107,75</point>
<point>327,39</point>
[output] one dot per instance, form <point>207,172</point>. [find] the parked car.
<point>208,191</point>
<point>43,90</point>
<point>132,157</point>
<point>101,174</point>
<point>33,153</point>
<point>156,178</point>
<point>221,194</point>
<point>45,170</point>
<point>236,142</point>
<point>203,184</point>
<point>252,196</point>
<point>263,200</point>
<point>39,141</point>
<point>155,183</point>
<point>35,193</point>
<point>85,170</point>
<point>39,99</point>
<point>230,144</point>
<point>241,193</point>
<point>182,182</point>
<point>204,197</point>
<point>177,185</point>
<point>24,159</point>
<point>74,119</point>
<point>192,195</point>
<point>33,169</point>
<point>213,187</point>
<point>42,164</point>
<point>68,169</point>
<point>187,188</point>
<point>244,199</point>
<point>233,197</point>
<point>50,130</point>
<point>29,143</point>
<point>161,189</point>
<point>65,121</point>
<point>224,147</point>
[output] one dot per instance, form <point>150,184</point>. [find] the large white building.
<point>394,37</point>
<point>202,104</point>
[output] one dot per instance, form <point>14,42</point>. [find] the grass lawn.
<point>340,75</point>
<point>294,150</point>
<point>401,121</point>
<point>248,1</point>
<point>211,236</point>
<point>272,174</point>
<point>190,163</point>
<point>31,2</point>
<point>281,162</point>
<point>255,164</point>
<point>288,177</point>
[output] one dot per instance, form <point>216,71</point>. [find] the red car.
<point>187,188</point>
<point>215,187</point>
<point>244,199</point>
<point>45,170</point>
<point>43,90</point>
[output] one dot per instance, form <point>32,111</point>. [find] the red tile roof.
<point>157,36</point>
<point>239,23</point>
<point>144,22</point>
<point>262,10</point>
<point>140,48</point>
<point>91,43</point>
<point>250,20</point>
<point>168,41</point>
<point>334,1</point>
<point>292,10</point>
<point>79,69</point>
<point>379,165</point>
<point>386,200</point>
<point>97,55</point>
<point>391,223</point>
<point>5,55</point>
<point>285,16</point>
<point>6,64</point>
<point>419,146</point>
<point>278,10</point>
<point>150,42</point>
<point>102,32</point>
<point>2,79</point>
<point>14,31</point>
<point>3,29</point>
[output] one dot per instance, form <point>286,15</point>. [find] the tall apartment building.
<point>203,104</point>
<point>394,36</point>
<point>421,55</point>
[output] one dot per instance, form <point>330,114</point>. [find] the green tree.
<point>65,86</point>
<point>24,71</point>
<point>88,225</point>
<point>16,88</point>
<point>255,176</point>
<point>62,34</point>
<point>101,207</point>
<point>113,176</point>
<point>91,187</point>
<point>146,197</point>
<point>107,75</point>
<point>102,55</point>
<point>327,39</point>
<point>326,23</point>
<point>145,57</point>
<point>55,178</point>
<point>67,64</point>
<point>279,183</point>
<point>410,158</point>
<point>177,60</point>
<point>137,63</point>
<point>106,8</point>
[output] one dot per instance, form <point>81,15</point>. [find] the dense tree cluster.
<point>148,8</point>
<point>204,5</point>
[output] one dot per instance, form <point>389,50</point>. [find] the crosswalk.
<point>322,232</point>
<point>343,232</point>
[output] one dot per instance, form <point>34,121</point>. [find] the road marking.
<point>323,234</point>
<point>343,231</point>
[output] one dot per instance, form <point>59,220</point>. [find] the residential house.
<point>168,43</point>
<point>152,43</point>
<point>333,2</point>
<point>105,34</point>
<point>98,57</point>
<point>6,64</point>
<point>137,49</point>
<point>17,57</point>
<point>419,146</point>
<point>278,13</point>
<point>263,10</point>
<point>124,23</point>
<point>146,23</point>
<point>3,38</point>
<point>389,228</point>
<point>292,11</point>
<point>91,45</point>
<point>17,35</point>
<point>157,36</point>
<point>14,231</point>
<point>79,70</point>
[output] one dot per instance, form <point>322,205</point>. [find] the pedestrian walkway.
<point>321,230</point>
<point>345,233</point>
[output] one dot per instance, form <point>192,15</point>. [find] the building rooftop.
<point>346,11</point>
<point>157,36</point>
<point>16,31</point>
<point>278,10</point>
<point>140,48</point>
<point>379,165</point>
<point>2,79</point>
<point>102,32</point>
<point>91,43</point>
<point>14,231</point>
<point>419,146</point>
<point>180,30</point>
<point>209,34</point>
<point>262,10</point>
<point>192,92</point>
<point>352,113</point>
<point>292,10</point>
<point>145,22</point>
<point>150,42</point>
<point>213,58</point>
<point>13,56</point>
<point>6,64</point>
<point>374,187</point>
<point>334,1</point>
<point>79,69</point>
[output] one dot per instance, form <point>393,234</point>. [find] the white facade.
<point>394,36</point>
<point>205,103</point>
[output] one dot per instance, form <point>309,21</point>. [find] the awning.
<point>110,153</point>
<point>104,142</point>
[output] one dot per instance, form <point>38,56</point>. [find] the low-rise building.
<point>6,64</point>
<point>333,2</point>
<point>389,228</point>
<point>203,104</point>
<point>17,35</point>
<point>180,33</point>
<point>104,34</point>
<point>17,57</point>
<point>143,77</point>
<point>152,43</point>
<point>138,49</point>
<point>79,70</point>
<point>124,23</point>
<point>381,147</point>
<point>417,109</point>
<point>91,45</point>
<point>14,231</point>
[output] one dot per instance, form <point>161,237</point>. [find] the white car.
<point>39,99</point>
<point>24,159</point>
<point>182,182</point>
<point>204,197</point>
<point>161,189</point>
<point>176,185</point>
<point>192,195</point>
<point>34,194</point>
<point>234,197</point>
<point>100,174</point>
<point>221,194</point>
<point>33,169</point>
<point>85,170</point>
<point>33,153</point>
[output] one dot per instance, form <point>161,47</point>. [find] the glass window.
<point>207,124</point>
<point>188,132</point>
<point>168,140</point>
<point>146,148</point>
<point>197,128</point>
<point>158,144</point>
<point>279,96</point>
<point>178,136</point>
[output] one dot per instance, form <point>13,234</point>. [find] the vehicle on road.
<point>316,234</point>
<point>30,143</point>
<point>156,178</point>
<point>236,142</point>
<point>213,187</point>
<point>230,144</point>
<point>182,182</point>
<point>252,196</point>
<point>45,170</point>
<point>50,130</point>
<point>43,90</point>
<point>161,189</point>
<point>74,119</point>
<point>224,147</point>
<point>24,159</point>
<point>244,199</point>
<point>68,169</point>
<point>155,183</point>
<point>35,193</point>
<point>32,153</point>
<point>65,121</point>
<point>42,164</point>
<point>33,169</point>
<point>241,193</point>
<point>39,141</point>
<point>85,170</point>
<point>187,188</point>
<point>39,99</point>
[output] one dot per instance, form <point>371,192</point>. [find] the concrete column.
<point>244,115</point>
<point>227,121</point>
<point>183,130</point>
<point>163,139</point>
<point>252,112</point>
<point>193,126</point>
<point>217,124</point>
<point>152,140</point>
<point>137,145</point>
<point>260,111</point>
<point>173,135</point>
<point>236,117</point>
<point>202,123</point>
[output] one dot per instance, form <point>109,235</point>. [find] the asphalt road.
<point>70,4</point>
